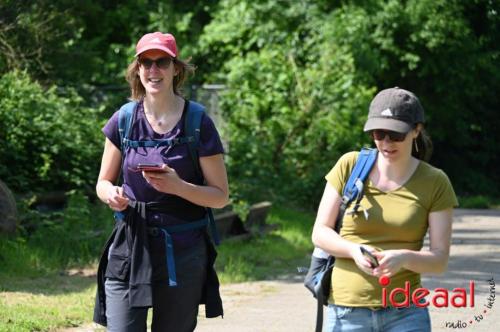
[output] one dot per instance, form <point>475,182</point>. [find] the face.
<point>156,71</point>
<point>393,145</point>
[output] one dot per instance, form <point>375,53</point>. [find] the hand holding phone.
<point>373,260</point>
<point>148,167</point>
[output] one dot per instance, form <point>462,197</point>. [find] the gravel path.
<point>275,306</point>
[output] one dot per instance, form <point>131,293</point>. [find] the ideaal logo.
<point>441,298</point>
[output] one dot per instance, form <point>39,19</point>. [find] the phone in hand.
<point>148,167</point>
<point>373,260</point>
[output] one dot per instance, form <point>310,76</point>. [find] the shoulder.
<point>432,173</point>
<point>349,159</point>
<point>113,120</point>
<point>198,113</point>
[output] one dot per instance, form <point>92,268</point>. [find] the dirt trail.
<point>275,306</point>
<point>285,305</point>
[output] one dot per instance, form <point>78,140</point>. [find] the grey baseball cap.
<point>394,109</point>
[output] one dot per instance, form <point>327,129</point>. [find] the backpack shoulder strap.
<point>353,190</point>
<point>125,117</point>
<point>359,173</point>
<point>192,125</point>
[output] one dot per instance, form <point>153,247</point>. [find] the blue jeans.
<point>359,319</point>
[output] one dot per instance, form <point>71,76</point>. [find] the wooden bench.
<point>229,224</point>
<point>256,218</point>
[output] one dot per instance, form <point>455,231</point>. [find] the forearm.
<point>103,188</point>
<point>426,261</point>
<point>209,196</point>
<point>330,241</point>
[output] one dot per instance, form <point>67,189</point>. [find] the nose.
<point>153,65</point>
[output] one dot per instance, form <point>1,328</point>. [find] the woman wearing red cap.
<point>159,255</point>
<point>404,196</point>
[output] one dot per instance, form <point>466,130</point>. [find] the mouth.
<point>389,152</point>
<point>155,80</point>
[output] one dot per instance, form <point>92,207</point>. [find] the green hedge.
<point>48,140</point>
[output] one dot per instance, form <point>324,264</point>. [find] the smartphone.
<point>147,167</point>
<point>373,259</point>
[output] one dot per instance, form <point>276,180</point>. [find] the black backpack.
<point>318,277</point>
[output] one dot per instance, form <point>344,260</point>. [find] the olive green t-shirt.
<point>397,219</point>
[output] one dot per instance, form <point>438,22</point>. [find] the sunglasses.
<point>379,135</point>
<point>162,63</point>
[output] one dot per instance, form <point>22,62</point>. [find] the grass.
<point>272,255</point>
<point>478,202</point>
<point>40,291</point>
<point>45,303</point>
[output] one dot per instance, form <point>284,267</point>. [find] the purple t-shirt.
<point>177,157</point>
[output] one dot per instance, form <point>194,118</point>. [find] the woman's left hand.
<point>166,181</point>
<point>390,262</point>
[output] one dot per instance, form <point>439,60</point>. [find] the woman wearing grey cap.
<point>403,197</point>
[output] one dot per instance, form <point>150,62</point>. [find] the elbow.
<point>442,264</point>
<point>441,268</point>
<point>315,237</point>
<point>222,202</point>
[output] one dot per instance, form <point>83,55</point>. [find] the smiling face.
<point>156,77</point>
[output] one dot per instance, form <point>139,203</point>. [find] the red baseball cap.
<point>157,41</point>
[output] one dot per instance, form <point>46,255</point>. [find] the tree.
<point>300,76</point>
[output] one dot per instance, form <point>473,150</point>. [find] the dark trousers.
<point>174,308</point>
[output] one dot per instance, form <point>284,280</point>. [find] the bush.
<point>48,140</point>
<point>294,102</point>
<point>300,76</point>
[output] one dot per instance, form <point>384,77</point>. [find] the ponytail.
<point>424,146</point>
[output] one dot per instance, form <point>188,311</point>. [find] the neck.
<point>158,104</point>
<point>396,170</point>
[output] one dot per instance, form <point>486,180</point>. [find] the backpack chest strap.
<point>127,143</point>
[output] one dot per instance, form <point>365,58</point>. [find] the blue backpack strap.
<point>192,125</point>
<point>156,142</point>
<point>364,163</point>
<point>353,190</point>
<point>125,118</point>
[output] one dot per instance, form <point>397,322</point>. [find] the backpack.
<point>318,278</point>
<point>192,124</point>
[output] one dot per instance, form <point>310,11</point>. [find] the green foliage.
<point>478,202</point>
<point>272,255</point>
<point>48,141</point>
<point>300,76</point>
<point>61,239</point>
<point>293,96</point>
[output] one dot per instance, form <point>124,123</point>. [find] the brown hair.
<point>137,91</point>
<point>424,144</point>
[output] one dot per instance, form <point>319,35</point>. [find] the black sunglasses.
<point>162,63</point>
<point>379,135</point>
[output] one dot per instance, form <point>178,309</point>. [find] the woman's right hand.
<point>116,200</point>
<point>361,261</point>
